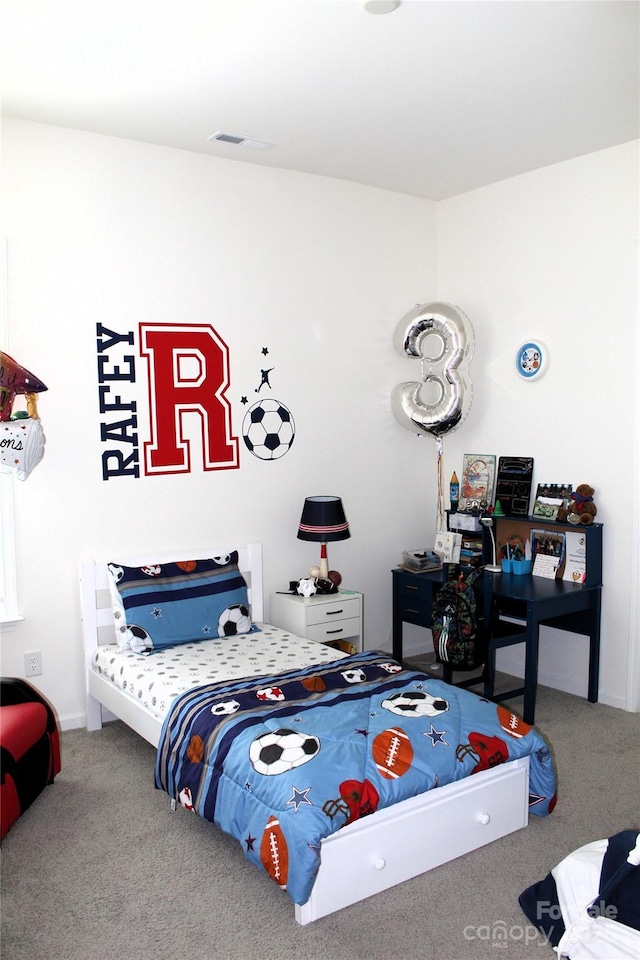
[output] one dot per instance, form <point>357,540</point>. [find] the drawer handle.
<point>409,610</point>
<point>380,863</point>
<point>332,613</point>
<point>484,818</point>
<point>341,630</point>
<point>412,586</point>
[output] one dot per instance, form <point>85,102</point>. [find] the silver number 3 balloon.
<point>442,338</point>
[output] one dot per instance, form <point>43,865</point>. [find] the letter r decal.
<point>188,373</point>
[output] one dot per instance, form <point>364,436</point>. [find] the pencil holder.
<point>507,565</point>
<point>520,567</point>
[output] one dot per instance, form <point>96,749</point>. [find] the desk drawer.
<point>413,610</point>
<point>415,588</point>
<point>338,609</point>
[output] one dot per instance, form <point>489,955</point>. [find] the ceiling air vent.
<point>237,141</point>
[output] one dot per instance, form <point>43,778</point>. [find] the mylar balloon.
<point>442,338</point>
<point>21,446</point>
<point>15,379</point>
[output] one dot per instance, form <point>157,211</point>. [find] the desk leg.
<point>489,674</point>
<point>396,635</point>
<point>594,647</point>
<point>531,666</point>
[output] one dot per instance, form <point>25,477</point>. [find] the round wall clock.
<point>532,360</point>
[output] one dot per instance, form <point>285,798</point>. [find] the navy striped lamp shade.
<point>323,520</point>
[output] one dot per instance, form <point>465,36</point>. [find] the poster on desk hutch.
<point>548,552</point>
<point>575,569</point>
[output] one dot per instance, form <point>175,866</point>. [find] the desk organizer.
<point>519,567</point>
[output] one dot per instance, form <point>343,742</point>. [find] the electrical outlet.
<point>33,664</point>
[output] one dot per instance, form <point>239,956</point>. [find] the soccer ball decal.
<point>415,704</point>
<point>116,572</point>
<point>268,429</point>
<point>281,750</point>
<point>139,639</point>
<point>225,709</point>
<point>235,619</point>
<point>354,676</point>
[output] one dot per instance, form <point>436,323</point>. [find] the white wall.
<point>553,255</point>
<point>319,271</point>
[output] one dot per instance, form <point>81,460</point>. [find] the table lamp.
<point>323,520</point>
<point>491,567</point>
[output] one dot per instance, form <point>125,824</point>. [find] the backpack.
<point>457,640</point>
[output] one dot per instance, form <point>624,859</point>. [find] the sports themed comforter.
<point>281,762</point>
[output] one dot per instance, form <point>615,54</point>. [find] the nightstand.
<point>331,618</point>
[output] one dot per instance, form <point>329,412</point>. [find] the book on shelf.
<point>548,552</point>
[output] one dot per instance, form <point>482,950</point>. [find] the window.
<point>8,584</point>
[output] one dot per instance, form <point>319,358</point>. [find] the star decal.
<point>299,797</point>
<point>265,351</point>
<point>365,733</point>
<point>156,614</point>
<point>535,799</point>
<point>243,400</point>
<point>437,736</point>
<point>248,786</point>
<point>249,842</point>
<point>206,629</point>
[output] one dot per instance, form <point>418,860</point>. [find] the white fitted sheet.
<point>154,681</point>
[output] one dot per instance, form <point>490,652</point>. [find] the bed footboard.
<point>403,841</point>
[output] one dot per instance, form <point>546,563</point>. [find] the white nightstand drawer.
<point>339,609</point>
<point>323,618</point>
<point>339,630</point>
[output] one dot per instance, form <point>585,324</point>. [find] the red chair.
<point>29,748</point>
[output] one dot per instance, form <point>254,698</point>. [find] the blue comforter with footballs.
<point>281,762</point>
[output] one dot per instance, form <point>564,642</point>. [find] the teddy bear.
<point>581,508</point>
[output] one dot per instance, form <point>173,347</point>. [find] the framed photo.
<point>478,475</point>
<point>549,498</point>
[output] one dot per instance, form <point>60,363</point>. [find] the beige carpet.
<point>99,867</point>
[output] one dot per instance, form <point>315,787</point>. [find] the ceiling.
<point>432,100</point>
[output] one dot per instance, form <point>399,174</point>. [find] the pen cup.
<point>507,565</point>
<point>521,567</point>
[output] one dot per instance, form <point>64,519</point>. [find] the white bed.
<point>369,855</point>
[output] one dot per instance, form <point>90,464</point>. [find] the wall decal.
<point>268,429</point>
<point>188,373</point>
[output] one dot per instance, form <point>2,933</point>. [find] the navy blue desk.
<point>532,600</point>
<point>535,601</point>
